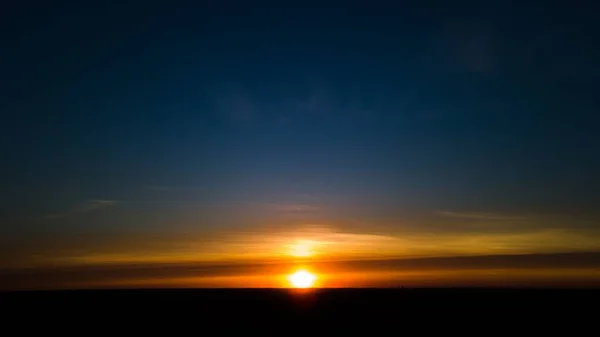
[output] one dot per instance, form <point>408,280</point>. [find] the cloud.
<point>498,269</point>
<point>272,243</point>
<point>166,188</point>
<point>92,205</point>
<point>85,207</point>
<point>482,216</point>
<point>294,207</point>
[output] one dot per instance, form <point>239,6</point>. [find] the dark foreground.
<point>289,312</point>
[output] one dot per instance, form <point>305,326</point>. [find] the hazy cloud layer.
<point>574,269</point>
<point>281,243</point>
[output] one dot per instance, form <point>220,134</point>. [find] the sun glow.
<point>302,248</point>
<point>302,279</point>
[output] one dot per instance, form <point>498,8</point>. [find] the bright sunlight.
<point>302,248</point>
<point>302,279</point>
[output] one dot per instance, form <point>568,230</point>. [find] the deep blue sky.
<point>161,110</point>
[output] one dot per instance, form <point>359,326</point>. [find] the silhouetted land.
<point>464,311</point>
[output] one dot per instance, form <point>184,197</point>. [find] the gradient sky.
<point>145,132</point>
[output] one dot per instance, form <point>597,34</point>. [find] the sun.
<point>302,279</point>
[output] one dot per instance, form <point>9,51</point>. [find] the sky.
<point>220,138</point>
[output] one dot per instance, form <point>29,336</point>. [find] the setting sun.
<point>302,279</point>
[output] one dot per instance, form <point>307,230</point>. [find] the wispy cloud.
<point>482,216</point>
<point>169,188</point>
<point>84,207</point>
<point>319,241</point>
<point>293,207</point>
<point>92,205</point>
